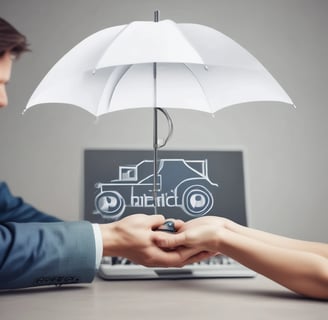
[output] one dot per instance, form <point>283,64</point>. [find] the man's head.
<point>12,45</point>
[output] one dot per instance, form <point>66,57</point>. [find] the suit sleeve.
<point>38,249</point>
<point>35,254</point>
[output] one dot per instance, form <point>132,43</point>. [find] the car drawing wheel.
<point>197,201</point>
<point>110,204</point>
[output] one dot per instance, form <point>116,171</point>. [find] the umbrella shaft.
<point>155,142</point>
<point>155,139</point>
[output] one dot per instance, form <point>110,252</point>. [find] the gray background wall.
<point>286,149</point>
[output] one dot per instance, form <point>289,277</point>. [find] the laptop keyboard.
<point>216,260</point>
<point>118,268</point>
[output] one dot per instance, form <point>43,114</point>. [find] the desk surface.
<point>257,298</point>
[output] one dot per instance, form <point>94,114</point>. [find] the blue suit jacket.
<point>38,249</point>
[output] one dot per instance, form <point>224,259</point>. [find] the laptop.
<point>190,184</point>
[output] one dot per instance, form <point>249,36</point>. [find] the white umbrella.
<point>157,65</point>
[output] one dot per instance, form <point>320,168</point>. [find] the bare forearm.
<point>279,241</point>
<point>303,272</point>
<point>281,259</point>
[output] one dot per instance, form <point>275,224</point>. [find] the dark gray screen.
<point>190,184</point>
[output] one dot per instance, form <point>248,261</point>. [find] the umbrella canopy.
<point>198,68</point>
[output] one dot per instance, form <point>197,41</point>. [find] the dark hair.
<point>11,40</point>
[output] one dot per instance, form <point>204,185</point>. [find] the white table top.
<point>257,298</point>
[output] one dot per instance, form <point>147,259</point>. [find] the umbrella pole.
<point>155,133</point>
<point>155,140</point>
<point>155,164</point>
<point>156,144</point>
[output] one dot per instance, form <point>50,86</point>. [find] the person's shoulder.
<point>3,185</point>
<point>4,189</point>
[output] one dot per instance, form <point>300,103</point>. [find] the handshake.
<point>144,239</point>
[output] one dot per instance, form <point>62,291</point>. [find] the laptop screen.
<point>189,184</point>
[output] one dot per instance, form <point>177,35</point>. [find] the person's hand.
<point>133,238</point>
<point>202,234</point>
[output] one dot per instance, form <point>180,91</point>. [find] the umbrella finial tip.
<point>156,15</point>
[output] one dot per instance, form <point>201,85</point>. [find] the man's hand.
<point>134,238</point>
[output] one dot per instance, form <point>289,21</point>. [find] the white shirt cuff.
<point>99,244</point>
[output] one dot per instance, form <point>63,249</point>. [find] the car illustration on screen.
<point>180,183</point>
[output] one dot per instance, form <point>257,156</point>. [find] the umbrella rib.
<point>201,86</point>
<point>117,76</point>
<point>123,72</point>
